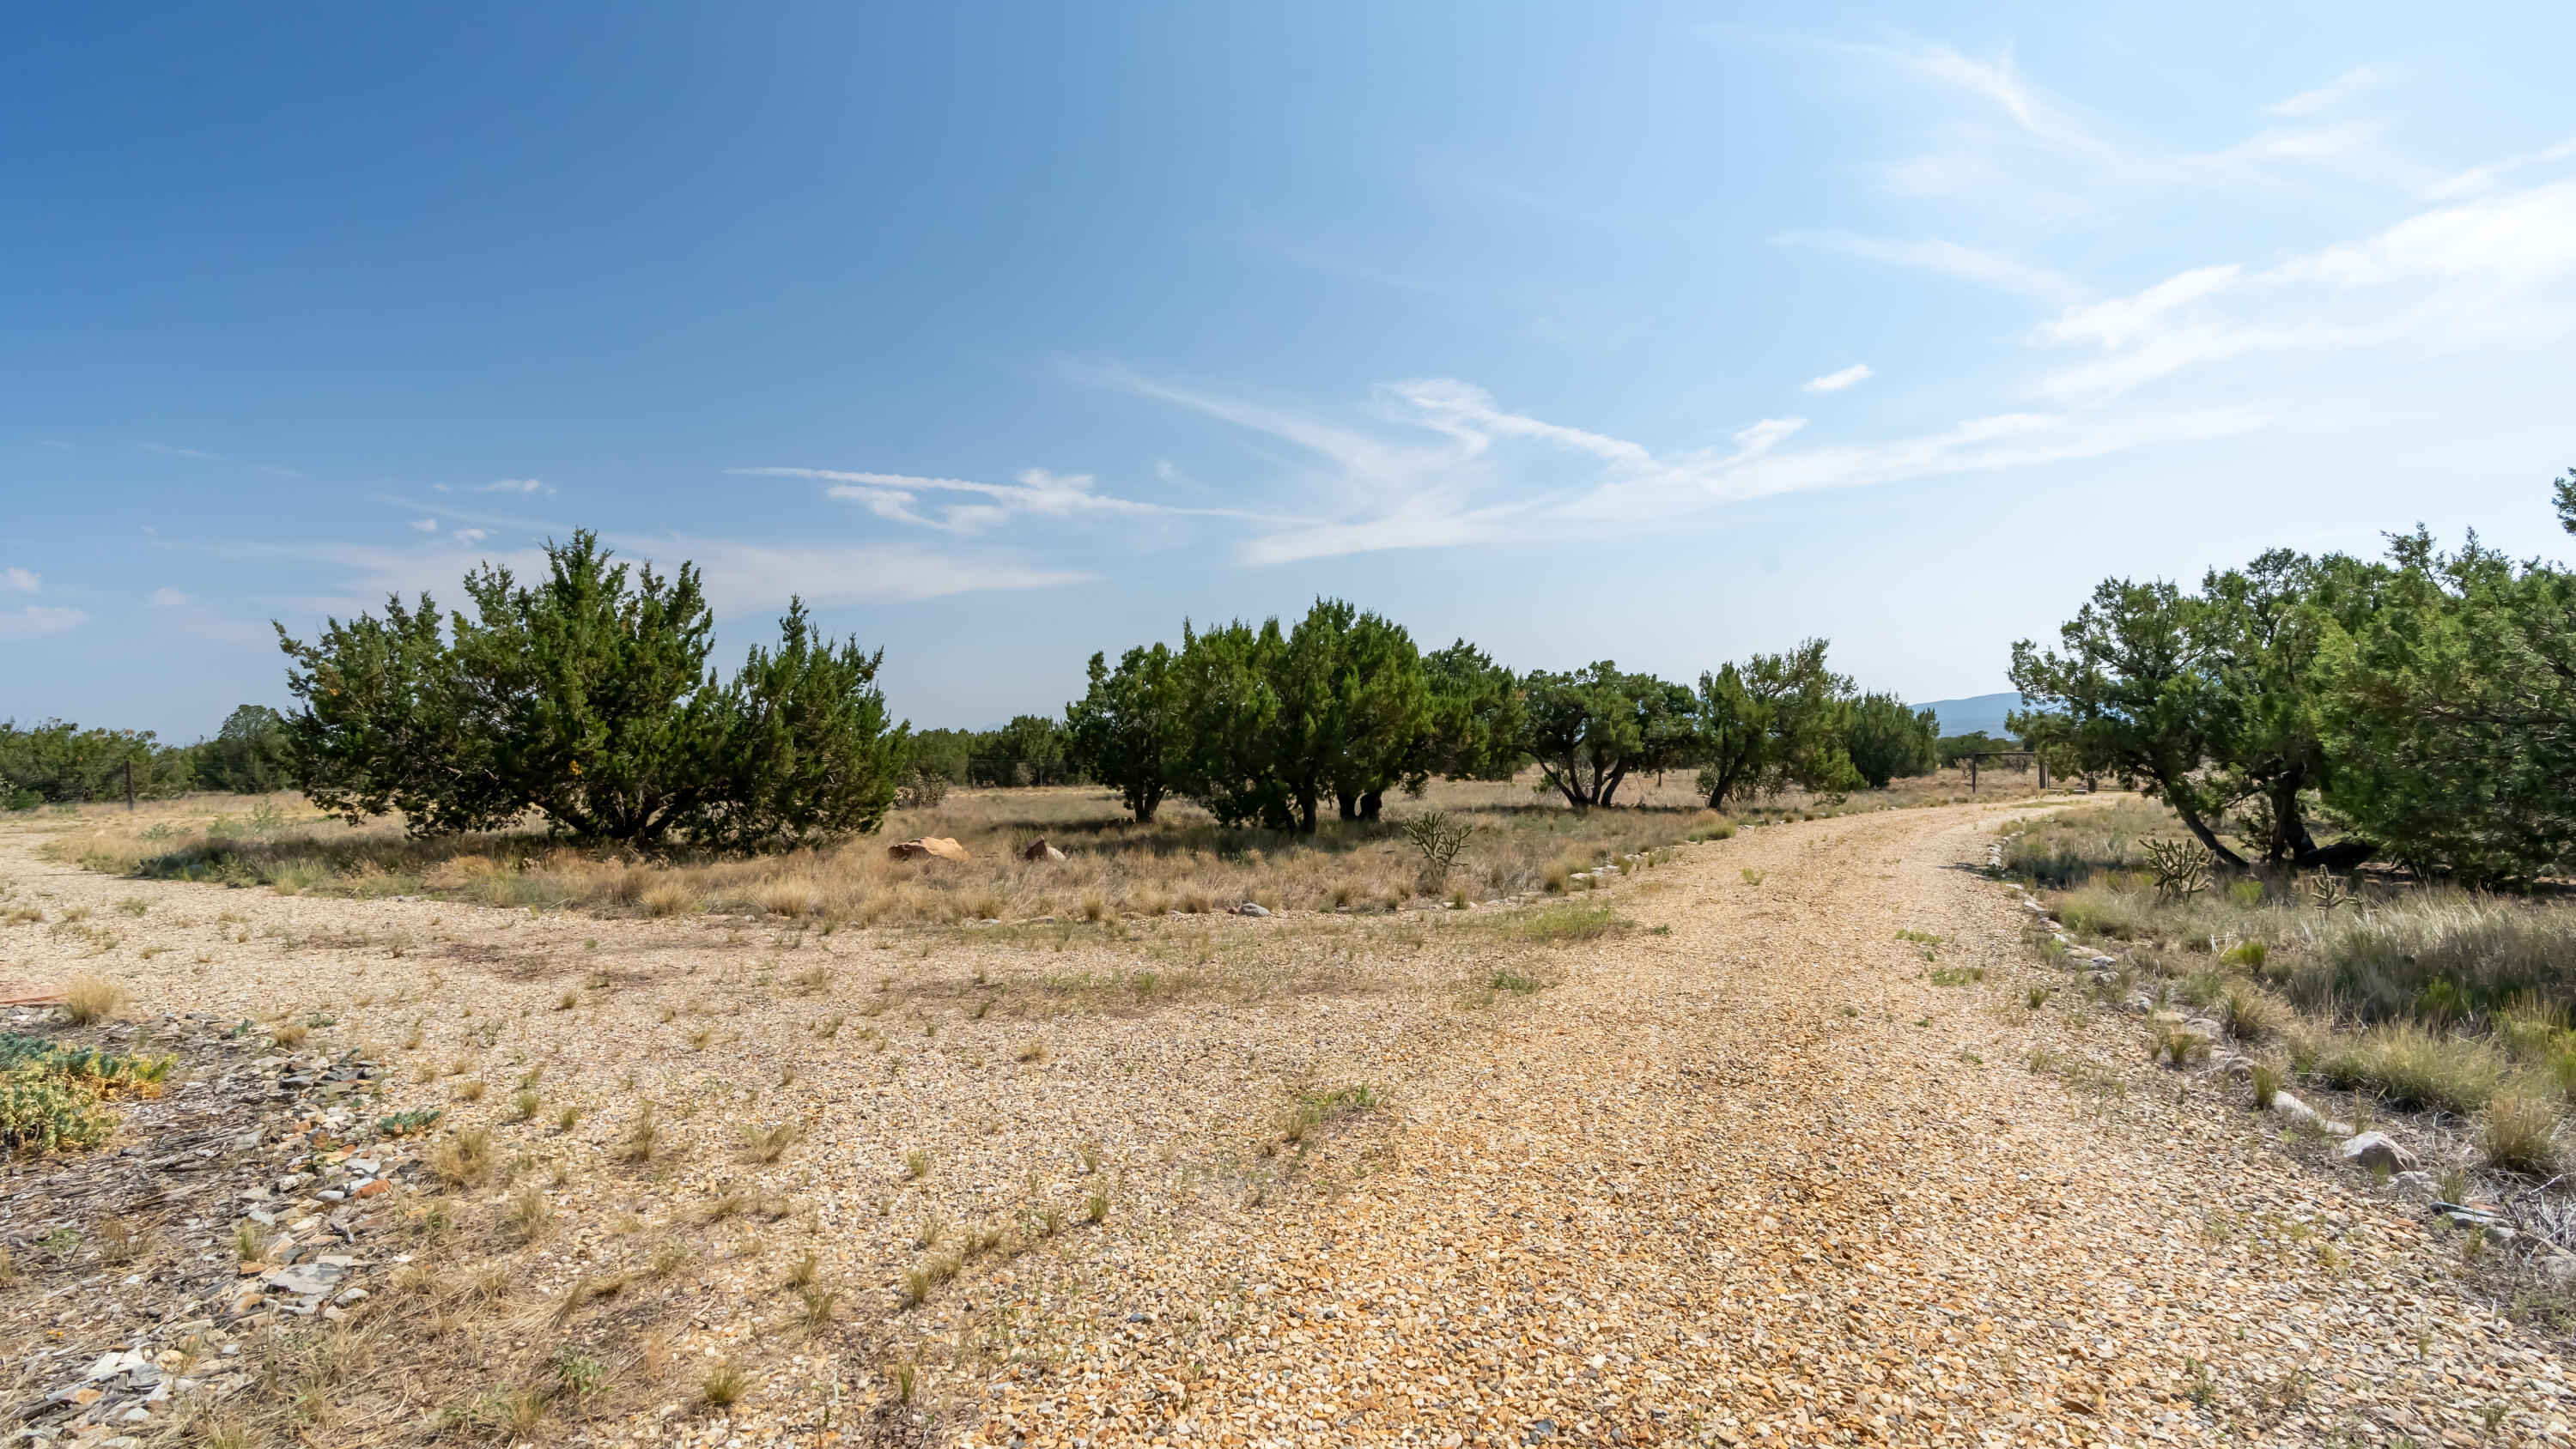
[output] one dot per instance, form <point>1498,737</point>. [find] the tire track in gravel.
<point>1759,1180</point>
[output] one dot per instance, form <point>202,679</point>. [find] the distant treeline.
<point>59,763</point>
<point>586,697</point>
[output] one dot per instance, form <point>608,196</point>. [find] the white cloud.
<point>1490,474</point>
<point>2326,97</point>
<point>425,525</point>
<point>510,485</point>
<point>2489,270</point>
<point>469,535</point>
<point>165,598</point>
<point>1837,381</point>
<point>903,498</point>
<point>21,581</point>
<point>32,620</point>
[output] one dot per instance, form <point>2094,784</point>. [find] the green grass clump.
<point>2412,1067</point>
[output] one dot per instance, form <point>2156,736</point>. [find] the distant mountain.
<point>1981,712</point>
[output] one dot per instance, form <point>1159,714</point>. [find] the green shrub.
<point>589,700</point>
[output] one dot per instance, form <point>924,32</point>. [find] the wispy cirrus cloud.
<point>22,581</point>
<point>1837,381</point>
<point>2500,268</point>
<point>904,498</point>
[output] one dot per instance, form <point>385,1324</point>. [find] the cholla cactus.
<point>1439,836</point>
<point>2182,868</point>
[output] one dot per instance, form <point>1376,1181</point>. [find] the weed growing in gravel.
<point>636,1144</point>
<point>723,1386</point>
<point>766,1144</point>
<point>916,1165</point>
<point>463,1158</point>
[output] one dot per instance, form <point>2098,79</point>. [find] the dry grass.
<point>1185,863</point>
<point>89,1000</point>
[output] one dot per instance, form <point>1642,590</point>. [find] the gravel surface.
<point>1759,1170</point>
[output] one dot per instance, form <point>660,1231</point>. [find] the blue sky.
<point>1005,334</point>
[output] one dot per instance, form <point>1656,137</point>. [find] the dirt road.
<point>1761,1179</point>
<point>1761,1170</point>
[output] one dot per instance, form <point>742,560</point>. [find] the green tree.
<point>587,698</point>
<point>1774,721</point>
<point>385,726</point>
<point>591,698</point>
<point>247,756</point>
<point>2450,710</point>
<point>1129,730</point>
<point>806,752</point>
<point>58,762</point>
<point>1227,679</point>
<point>1030,750</point>
<point>1476,716</point>
<point>1589,729</point>
<point>1377,704</point>
<point>1886,741</point>
<point>2134,694</point>
<point>1279,721</point>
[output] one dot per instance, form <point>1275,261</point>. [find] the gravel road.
<point>1761,1180</point>
<point>1761,1170</point>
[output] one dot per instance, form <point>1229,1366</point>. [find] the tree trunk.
<point>1306,811</point>
<point>2192,821</point>
<point>1372,804</point>
<point>1349,802</point>
<point>1610,783</point>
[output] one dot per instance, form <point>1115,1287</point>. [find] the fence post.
<point>129,785</point>
<point>1972,773</point>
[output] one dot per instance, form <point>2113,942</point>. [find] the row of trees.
<point>586,697</point>
<point>56,762</point>
<point>1267,724</point>
<point>2425,704</point>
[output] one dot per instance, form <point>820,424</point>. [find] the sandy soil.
<point>1752,1173</point>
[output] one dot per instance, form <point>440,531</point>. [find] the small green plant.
<point>916,1165</point>
<point>1958,975</point>
<point>817,1311</point>
<point>2266,1081</point>
<point>1095,1204</point>
<point>523,1106</point>
<point>2248,954</point>
<point>1755,877</point>
<point>2246,893</point>
<point>905,1375</point>
<point>2035,998</point>
<point>409,1124</point>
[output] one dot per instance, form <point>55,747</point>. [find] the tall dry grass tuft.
<point>89,1000</point>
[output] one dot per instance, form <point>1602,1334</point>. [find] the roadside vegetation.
<point>2429,997</point>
